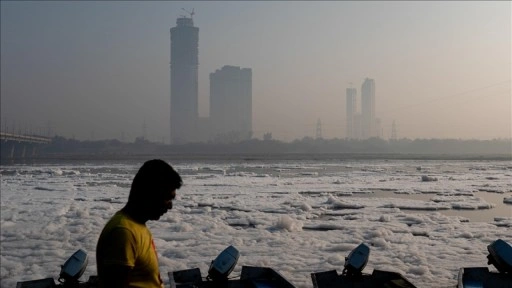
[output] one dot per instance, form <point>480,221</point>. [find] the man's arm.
<point>115,276</point>
<point>117,257</point>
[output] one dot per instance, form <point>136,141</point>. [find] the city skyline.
<point>230,113</point>
<point>100,70</point>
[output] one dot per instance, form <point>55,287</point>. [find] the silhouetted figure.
<point>125,253</point>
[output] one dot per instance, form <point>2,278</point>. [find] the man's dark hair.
<point>153,178</point>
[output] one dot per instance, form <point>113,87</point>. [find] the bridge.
<point>17,145</point>
<point>24,138</point>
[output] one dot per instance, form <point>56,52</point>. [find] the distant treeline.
<point>501,148</point>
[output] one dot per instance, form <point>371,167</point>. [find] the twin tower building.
<point>362,125</point>
<point>230,118</point>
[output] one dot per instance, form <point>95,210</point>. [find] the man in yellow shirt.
<point>125,253</point>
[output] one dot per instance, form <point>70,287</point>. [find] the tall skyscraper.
<point>184,81</point>
<point>368,108</point>
<point>351,111</point>
<point>231,103</point>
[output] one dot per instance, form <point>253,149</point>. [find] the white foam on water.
<point>297,217</point>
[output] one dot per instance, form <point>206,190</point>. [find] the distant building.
<point>351,111</point>
<point>368,109</point>
<point>184,81</point>
<point>231,104</point>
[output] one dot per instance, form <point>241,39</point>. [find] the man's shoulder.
<point>122,226</point>
<point>120,216</point>
<point>121,219</point>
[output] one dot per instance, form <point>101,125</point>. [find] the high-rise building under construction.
<point>184,81</point>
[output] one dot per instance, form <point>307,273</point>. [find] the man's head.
<point>154,188</point>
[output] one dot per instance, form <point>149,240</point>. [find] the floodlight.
<point>223,265</point>
<point>74,267</point>
<point>500,255</point>
<point>356,260</point>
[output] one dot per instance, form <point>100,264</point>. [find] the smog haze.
<point>101,70</point>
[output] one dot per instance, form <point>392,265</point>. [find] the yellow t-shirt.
<point>128,243</point>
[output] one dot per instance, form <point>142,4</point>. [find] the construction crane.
<point>189,12</point>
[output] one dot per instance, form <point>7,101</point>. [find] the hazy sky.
<point>97,70</point>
